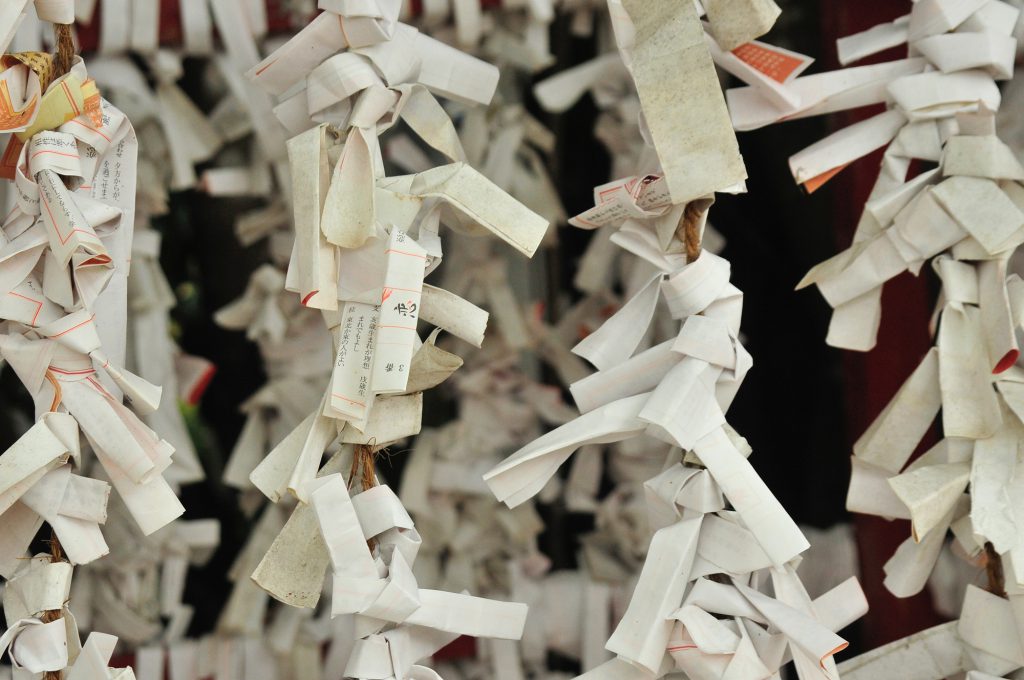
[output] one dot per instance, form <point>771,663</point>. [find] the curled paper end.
<point>1006,362</point>
<point>816,182</point>
<point>835,651</point>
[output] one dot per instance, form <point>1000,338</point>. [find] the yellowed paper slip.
<point>671,65</point>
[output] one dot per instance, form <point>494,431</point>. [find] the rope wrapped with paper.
<point>66,247</point>
<point>276,320</point>
<point>963,211</point>
<point>939,112</point>
<point>65,250</point>
<point>364,242</point>
<point>677,392</point>
<point>718,595</point>
<point>35,646</point>
<point>965,215</point>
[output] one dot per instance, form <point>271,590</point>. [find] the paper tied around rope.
<point>690,387</point>
<point>377,586</point>
<point>691,227</point>
<point>73,96</point>
<point>940,110</point>
<point>35,646</point>
<point>920,219</point>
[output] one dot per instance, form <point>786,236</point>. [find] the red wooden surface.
<point>872,378</point>
<point>170,22</point>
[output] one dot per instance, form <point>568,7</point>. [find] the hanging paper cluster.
<point>65,249</point>
<point>718,595</point>
<point>363,244</point>
<point>948,194</point>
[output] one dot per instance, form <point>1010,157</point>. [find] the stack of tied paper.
<point>966,216</point>
<point>965,197</point>
<point>364,243</point>
<point>973,381</point>
<point>64,253</point>
<point>65,249</point>
<point>137,592</point>
<point>718,595</point>
<point>36,644</point>
<point>677,391</point>
<point>292,338</point>
<point>964,211</point>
